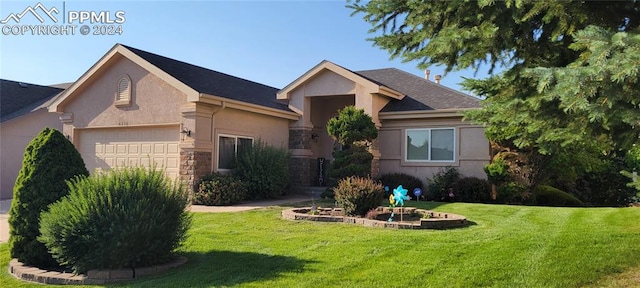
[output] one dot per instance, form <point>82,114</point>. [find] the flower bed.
<point>429,219</point>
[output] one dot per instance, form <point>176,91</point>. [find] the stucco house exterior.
<point>133,107</point>
<point>23,114</point>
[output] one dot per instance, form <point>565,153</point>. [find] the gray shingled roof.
<point>213,82</point>
<point>421,94</point>
<point>17,98</point>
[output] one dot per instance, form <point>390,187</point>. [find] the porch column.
<point>196,143</point>
<point>301,162</point>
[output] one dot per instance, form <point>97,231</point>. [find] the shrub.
<point>219,189</point>
<point>264,169</point>
<point>357,195</point>
<point>49,160</point>
<point>513,193</point>
<point>472,190</point>
<point>125,218</point>
<point>497,171</point>
<point>355,161</point>
<point>409,182</point>
<point>441,182</point>
<point>549,196</point>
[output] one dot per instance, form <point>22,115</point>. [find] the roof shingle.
<point>17,98</point>
<point>214,83</point>
<point>421,94</point>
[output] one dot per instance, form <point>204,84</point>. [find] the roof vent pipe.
<point>438,77</point>
<point>426,74</point>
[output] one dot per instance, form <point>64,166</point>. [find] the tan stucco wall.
<point>472,148</point>
<point>270,129</point>
<point>153,100</point>
<point>325,108</point>
<point>15,135</point>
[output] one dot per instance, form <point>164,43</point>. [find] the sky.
<point>270,42</point>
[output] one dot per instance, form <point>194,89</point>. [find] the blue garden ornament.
<point>399,195</point>
<point>417,192</point>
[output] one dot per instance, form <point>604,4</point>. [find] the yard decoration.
<point>397,199</point>
<point>417,192</point>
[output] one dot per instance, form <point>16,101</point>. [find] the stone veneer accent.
<point>300,171</point>
<point>93,277</point>
<point>193,165</point>
<point>375,168</point>
<point>299,139</point>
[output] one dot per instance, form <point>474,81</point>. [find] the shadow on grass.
<point>224,268</point>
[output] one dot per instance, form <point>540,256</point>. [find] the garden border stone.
<point>93,277</point>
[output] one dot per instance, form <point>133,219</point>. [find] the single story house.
<point>23,114</point>
<point>133,107</point>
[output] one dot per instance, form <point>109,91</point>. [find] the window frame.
<point>235,146</point>
<point>430,147</point>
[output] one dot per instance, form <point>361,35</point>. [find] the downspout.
<point>222,107</point>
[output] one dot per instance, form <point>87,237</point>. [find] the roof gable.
<point>421,93</point>
<point>191,79</point>
<point>214,83</point>
<point>17,98</point>
<point>324,65</point>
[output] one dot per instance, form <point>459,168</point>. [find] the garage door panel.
<point>104,149</point>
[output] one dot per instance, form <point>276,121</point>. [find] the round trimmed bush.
<point>358,195</point>
<point>549,196</point>
<point>122,219</point>
<point>219,189</point>
<point>49,160</point>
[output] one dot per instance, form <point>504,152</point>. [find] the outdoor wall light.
<point>184,132</point>
<point>314,137</point>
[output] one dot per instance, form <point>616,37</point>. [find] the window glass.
<point>430,144</point>
<point>442,145</point>
<point>418,144</point>
<point>226,152</point>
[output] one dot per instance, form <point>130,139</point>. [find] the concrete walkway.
<point>6,204</point>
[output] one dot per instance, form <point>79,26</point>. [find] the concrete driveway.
<point>6,204</point>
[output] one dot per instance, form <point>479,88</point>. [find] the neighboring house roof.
<point>214,83</point>
<point>17,98</point>
<point>421,94</point>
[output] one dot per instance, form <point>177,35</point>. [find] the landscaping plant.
<point>393,180</point>
<point>357,195</point>
<point>219,189</point>
<point>264,170</point>
<point>49,160</point>
<point>131,217</point>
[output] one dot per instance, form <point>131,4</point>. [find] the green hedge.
<point>218,189</point>
<point>549,196</point>
<point>126,218</point>
<point>409,182</point>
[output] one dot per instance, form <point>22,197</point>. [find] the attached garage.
<point>106,148</point>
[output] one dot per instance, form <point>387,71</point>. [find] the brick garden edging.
<point>93,277</point>
<point>437,220</point>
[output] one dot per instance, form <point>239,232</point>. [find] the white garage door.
<point>103,149</point>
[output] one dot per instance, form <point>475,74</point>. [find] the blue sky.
<point>271,42</point>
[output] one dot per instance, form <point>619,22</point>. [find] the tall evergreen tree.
<point>49,161</point>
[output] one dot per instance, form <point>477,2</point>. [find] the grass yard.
<point>506,246</point>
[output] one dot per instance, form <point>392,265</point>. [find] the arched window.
<point>123,94</point>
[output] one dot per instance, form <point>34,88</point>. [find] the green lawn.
<point>506,246</point>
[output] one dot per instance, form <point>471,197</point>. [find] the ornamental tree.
<point>49,161</point>
<point>351,128</point>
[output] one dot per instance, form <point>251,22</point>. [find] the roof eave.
<point>424,114</point>
<point>240,105</point>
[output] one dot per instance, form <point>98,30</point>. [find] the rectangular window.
<point>430,145</point>
<point>228,147</point>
